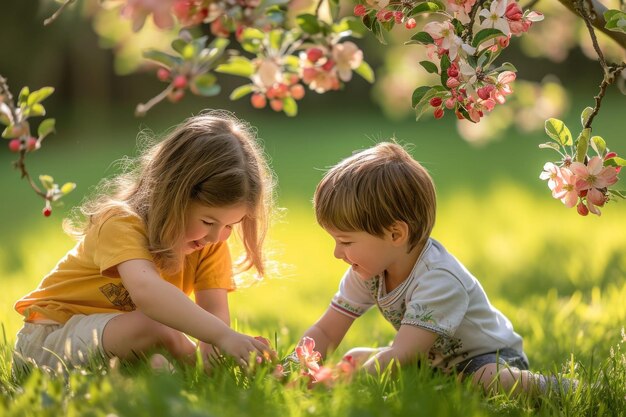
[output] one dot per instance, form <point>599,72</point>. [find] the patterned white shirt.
<point>439,295</point>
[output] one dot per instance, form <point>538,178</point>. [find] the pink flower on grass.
<point>307,356</point>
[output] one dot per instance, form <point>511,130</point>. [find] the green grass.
<point>557,276</point>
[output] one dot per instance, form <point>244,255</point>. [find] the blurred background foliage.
<point>542,264</point>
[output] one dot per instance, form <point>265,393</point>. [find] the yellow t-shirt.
<point>86,281</point>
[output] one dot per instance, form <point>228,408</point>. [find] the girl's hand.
<point>241,346</point>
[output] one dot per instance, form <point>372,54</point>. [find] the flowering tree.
<point>283,47</point>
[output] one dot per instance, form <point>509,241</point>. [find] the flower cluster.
<point>577,179</point>
<point>461,50</point>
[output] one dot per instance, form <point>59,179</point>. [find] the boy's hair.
<point>373,189</point>
<point>213,159</point>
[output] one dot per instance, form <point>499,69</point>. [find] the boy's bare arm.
<point>329,330</point>
<point>410,344</point>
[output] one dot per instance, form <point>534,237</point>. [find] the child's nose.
<point>338,252</point>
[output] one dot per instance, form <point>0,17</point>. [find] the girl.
<point>155,235</point>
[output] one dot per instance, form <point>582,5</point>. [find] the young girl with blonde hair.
<point>155,235</point>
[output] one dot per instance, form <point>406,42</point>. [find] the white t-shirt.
<point>440,295</point>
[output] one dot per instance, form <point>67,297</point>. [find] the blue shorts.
<point>507,356</point>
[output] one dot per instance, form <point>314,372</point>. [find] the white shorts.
<point>59,346</point>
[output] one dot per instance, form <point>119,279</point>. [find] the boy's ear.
<point>399,233</point>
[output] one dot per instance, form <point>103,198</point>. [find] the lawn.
<point>557,276</point>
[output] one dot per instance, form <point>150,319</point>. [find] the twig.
<point>142,108</point>
<point>318,7</point>
<point>470,25</point>
<point>56,14</point>
<point>20,164</point>
<point>609,78</point>
<point>610,72</point>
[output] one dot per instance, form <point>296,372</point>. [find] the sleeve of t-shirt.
<point>120,239</point>
<point>215,269</point>
<point>438,303</point>
<point>353,297</point>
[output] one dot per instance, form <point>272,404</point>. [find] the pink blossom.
<point>319,80</point>
<point>347,57</point>
<point>444,36</point>
<point>502,86</point>
<point>138,11</point>
<point>268,73</point>
<point>566,190</point>
<point>307,355</point>
<point>552,173</point>
<point>461,9</point>
<point>594,174</point>
<point>495,18</point>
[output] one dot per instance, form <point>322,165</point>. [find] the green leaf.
<point>430,67</point>
<point>178,45</point>
<point>204,85</point>
<point>599,145</point>
<point>557,130</point>
<point>189,51</point>
<point>584,116</point>
<point>11,132</point>
<point>550,145</point>
<point>365,71</point>
<point>39,95</point>
<point>68,187</point>
<point>423,101</point>
<point>506,66</point>
<point>35,110</point>
<point>485,35</point>
<point>45,128</point>
<point>251,40</point>
<point>377,30</point>
<point>423,38</point>
<point>309,23</point>
<point>241,91</point>
<point>616,161</point>
<point>4,119</point>
<point>426,7</point>
<point>418,93</point>
<point>350,24</point>
<point>23,96</point>
<point>582,144</point>
<point>237,65</point>
<point>46,181</point>
<point>276,37</point>
<point>444,64</point>
<point>290,107</point>
<point>615,20</point>
<point>616,193</point>
<point>162,58</point>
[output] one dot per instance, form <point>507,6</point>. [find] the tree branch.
<point>598,19</point>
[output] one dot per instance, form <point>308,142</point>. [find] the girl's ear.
<point>399,233</point>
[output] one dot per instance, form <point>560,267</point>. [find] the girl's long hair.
<point>212,158</point>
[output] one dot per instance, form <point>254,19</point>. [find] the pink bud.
<point>15,145</point>
<point>360,10</point>
<point>410,23</point>
<point>314,54</point>
<point>582,209</point>
<point>435,101</point>
<point>452,82</point>
<point>450,103</point>
<point>452,71</point>
<point>438,113</point>
<point>163,74</point>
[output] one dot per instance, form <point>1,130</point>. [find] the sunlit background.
<point>558,276</point>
